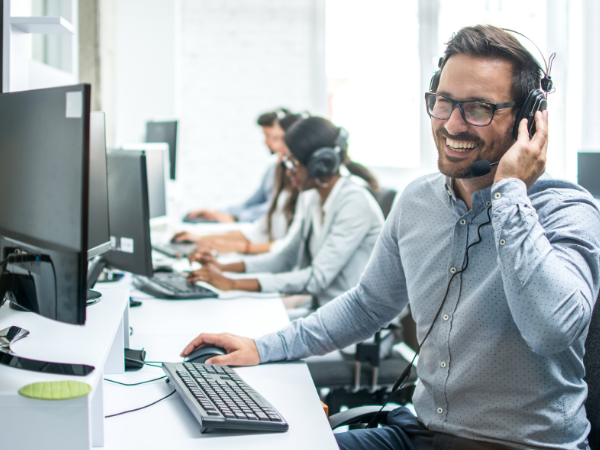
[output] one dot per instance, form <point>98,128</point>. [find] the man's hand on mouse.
<point>526,159</point>
<point>241,351</point>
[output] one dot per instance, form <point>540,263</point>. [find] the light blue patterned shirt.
<point>505,362</point>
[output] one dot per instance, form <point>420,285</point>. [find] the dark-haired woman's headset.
<point>326,161</point>
<point>535,101</point>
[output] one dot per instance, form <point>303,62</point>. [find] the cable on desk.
<point>135,384</point>
<point>142,407</point>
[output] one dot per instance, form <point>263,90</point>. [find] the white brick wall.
<point>216,65</point>
<point>238,58</point>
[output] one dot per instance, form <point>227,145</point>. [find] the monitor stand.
<point>8,358</point>
<point>94,271</point>
<point>93,297</point>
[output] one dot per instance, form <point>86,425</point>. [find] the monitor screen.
<point>588,171</point>
<point>165,132</point>
<point>155,166</point>
<point>44,137</point>
<point>129,212</point>
<point>98,232</point>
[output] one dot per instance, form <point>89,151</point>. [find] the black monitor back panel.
<point>165,132</point>
<point>588,171</point>
<point>98,231</point>
<point>44,176</point>
<point>129,212</point>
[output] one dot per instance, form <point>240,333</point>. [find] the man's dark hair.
<point>268,119</point>
<point>487,41</point>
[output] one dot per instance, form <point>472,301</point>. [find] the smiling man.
<point>501,272</point>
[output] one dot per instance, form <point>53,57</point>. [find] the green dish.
<point>56,390</point>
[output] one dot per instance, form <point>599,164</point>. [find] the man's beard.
<point>491,152</point>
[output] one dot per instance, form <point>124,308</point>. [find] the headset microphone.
<point>481,168</point>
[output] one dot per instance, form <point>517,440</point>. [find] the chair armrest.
<point>362,414</point>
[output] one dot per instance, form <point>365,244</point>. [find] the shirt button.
<point>488,203</point>
<point>449,192</point>
<point>463,222</point>
<point>446,316</point>
<point>443,364</point>
<point>502,242</point>
<point>440,410</point>
<point>497,195</point>
<point>452,269</point>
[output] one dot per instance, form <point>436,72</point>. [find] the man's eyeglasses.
<point>479,114</point>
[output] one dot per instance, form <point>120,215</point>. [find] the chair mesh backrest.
<point>591,360</point>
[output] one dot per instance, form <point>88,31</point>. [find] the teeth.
<point>460,146</point>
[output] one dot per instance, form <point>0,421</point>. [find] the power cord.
<point>135,384</point>
<point>142,407</point>
<point>406,373</point>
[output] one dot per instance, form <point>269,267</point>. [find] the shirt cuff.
<point>509,191</point>
<point>270,348</point>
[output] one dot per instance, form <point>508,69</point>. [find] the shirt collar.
<point>330,201</point>
<point>481,198</point>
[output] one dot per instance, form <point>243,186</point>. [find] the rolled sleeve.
<point>550,277</point>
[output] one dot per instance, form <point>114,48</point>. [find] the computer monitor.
<point>165,132</point>
<point>44,176</point>
<point>155,167</point>
<point>588,171</point>
<point>129,212</point>
<point>98,231</point>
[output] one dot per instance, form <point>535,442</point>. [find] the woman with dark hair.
<point>340,224</point>
<point>268,231</point>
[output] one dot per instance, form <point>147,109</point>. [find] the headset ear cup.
<point>323,163</point>
<point>535,101</point>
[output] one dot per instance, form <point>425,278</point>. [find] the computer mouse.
<point>204,353</point>
<point>158,269</point>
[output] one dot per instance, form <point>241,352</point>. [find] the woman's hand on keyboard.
<point>241,351</point>
<point>203,256</point>
<point>211,274</point>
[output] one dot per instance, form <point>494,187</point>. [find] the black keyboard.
<point>219,398</point>
<point>175,250</point>
<point>172,286</point>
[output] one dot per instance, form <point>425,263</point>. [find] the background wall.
<point>215,65</point>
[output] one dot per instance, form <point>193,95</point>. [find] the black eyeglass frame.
<point>455,103</point>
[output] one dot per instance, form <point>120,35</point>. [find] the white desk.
<point>163,328</point>
<point>27,423</point>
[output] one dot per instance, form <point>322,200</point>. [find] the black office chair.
<point>385,198</point>
<point>591,361</point>
<point>366,377</point>
<point>359,417</point>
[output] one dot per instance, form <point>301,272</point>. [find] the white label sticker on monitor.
<point>113,242</point>
<point>74,105</point>
<point>126,245</point>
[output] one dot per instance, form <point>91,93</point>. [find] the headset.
<point>535,101</point>
<point>326,161</point>
<point>280,113</point>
